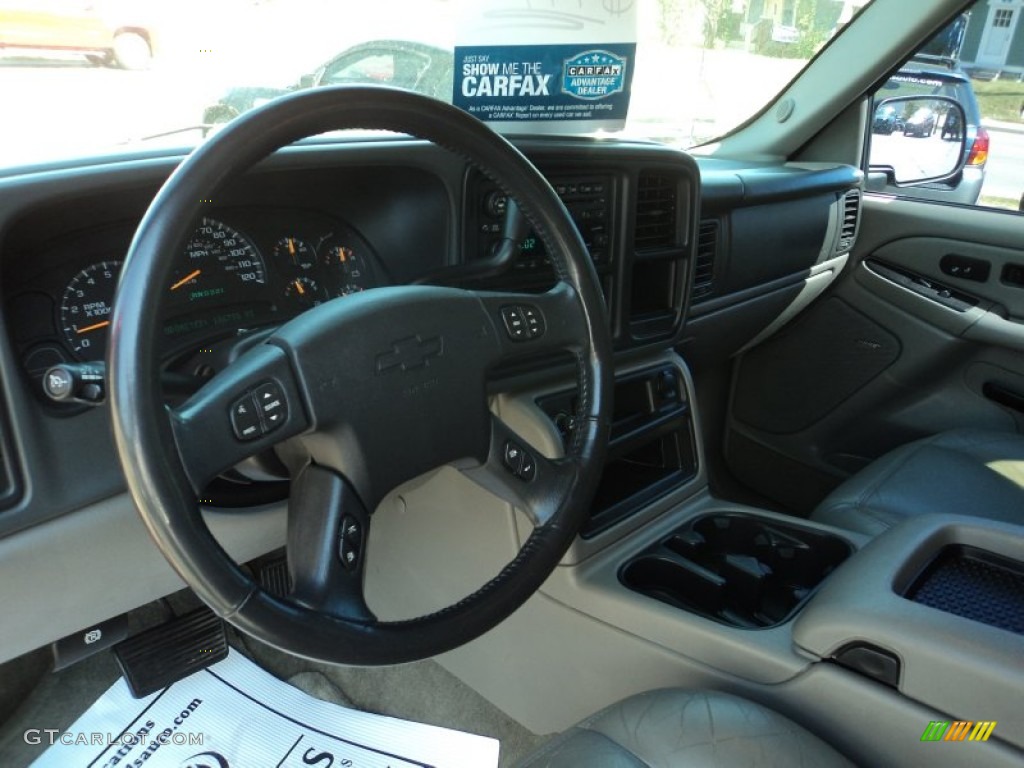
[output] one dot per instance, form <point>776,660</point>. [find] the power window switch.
<point>965,267</point>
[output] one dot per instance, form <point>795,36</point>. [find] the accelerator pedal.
<point>164,654</point>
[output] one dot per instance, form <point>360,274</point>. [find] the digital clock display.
<point>531,246</point>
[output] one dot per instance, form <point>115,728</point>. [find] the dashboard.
<point>669,235</point>
<point>325,220</point>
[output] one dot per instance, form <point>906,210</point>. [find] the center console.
<point>735,568</point>
<point>652,448</point>
<point>943,598</point>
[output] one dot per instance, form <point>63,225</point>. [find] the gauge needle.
<point>186,278</point>
<point>299,288</point>
<point>93,327</point>
<point>291,247</point>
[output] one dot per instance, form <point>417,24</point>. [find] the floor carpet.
<point>423,691</point>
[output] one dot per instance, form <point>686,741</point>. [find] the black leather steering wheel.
<point>358,395</point>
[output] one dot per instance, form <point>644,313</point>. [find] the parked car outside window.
<point>106,33</point>
<point>931,79</point>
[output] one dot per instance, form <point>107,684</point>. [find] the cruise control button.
<point>58,383</point>
<point>245,419</point>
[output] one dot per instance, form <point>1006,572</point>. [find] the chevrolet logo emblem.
<point>409,353</point>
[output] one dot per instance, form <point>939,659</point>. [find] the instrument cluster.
<point>241,269</point>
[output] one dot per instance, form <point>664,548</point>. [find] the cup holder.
<point>737,569</point>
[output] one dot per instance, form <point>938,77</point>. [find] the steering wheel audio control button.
<point>273,406</point>
<point>519,462</point>
<point>245,419</point>
<point>515,323</point>
<point>523,323</point>
<point>534,321</point>
<point>513,457</point>
<point>528,470</point>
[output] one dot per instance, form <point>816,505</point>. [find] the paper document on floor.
<point>235,715</point>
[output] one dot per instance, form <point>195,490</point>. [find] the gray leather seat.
<point>962,472</point>
<point>674,728</point>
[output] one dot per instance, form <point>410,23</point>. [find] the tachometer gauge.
<point>86,306</point>
<point>293,254</point>
<point>218,261</point>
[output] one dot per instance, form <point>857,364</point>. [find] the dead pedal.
<point>164,654</point>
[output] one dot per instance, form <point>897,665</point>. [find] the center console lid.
<point>940,599</point>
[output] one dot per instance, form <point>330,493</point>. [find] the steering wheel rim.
<point>167,455</point>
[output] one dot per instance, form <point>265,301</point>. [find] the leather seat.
<point>962,472</point>
<point>674,728</point>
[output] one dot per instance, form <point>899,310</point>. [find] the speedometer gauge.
<point>218,261</point>
<point>85,309</point>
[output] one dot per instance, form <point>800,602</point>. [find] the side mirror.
<point>307,81</point>
<point>918,139</point>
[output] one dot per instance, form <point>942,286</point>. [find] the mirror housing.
<point>918,139</point>
<point>307,81</point>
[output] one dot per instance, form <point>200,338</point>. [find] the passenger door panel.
<point>904,345</point>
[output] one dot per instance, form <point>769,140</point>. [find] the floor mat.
<point>56,702</point>
<point>423,691</point>
<point>235,714</point>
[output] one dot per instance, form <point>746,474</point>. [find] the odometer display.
<point>86,306</point>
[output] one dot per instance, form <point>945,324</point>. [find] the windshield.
<point>89,78</point>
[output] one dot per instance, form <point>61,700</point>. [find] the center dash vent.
<point>704,267</point>
<point>851,218</point>
<point>655,212</point>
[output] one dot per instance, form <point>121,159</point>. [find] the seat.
<point>963,472</point>
<point>675,728</point>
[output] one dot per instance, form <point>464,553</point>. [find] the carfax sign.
<point>575,77</point>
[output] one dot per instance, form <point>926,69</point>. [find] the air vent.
<point>704,268</point>
<point>851,216</point>
<point>655,212</point>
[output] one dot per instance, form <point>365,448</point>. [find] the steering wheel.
<point>358,395</point>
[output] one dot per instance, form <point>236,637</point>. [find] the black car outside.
<point>404,64</point>
<point>887,120</point>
